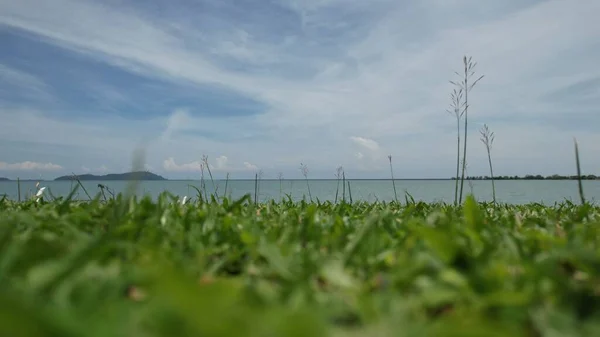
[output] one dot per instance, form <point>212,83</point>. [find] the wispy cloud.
<point>101,169</point>
<point>179,120</point>
<point>250,167</point>
<point>366,143</point>
<point>316,73</point>
<point>221,164</point>
<point>369,153</point>
<point>170,165</point>
<point>20,78</point>
<point>16,82</point>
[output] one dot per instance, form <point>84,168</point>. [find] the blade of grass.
<point>393,181</point>
<point>579,182</point>
<point>349,192</point>
<point>80,184</point>
<point>256,188</point>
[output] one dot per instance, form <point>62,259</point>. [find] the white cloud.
<point>370,155</point>
<point>178,120</point>
<point>221,163</point>
<point>169,165</point>
<point>250,167</point>
<point>366,143</point>
<point>29,166</point>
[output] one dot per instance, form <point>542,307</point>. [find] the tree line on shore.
<point>533,177</point>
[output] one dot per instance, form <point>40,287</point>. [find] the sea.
<point>546,192</point>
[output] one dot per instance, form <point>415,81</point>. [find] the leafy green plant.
<point>141,267</point>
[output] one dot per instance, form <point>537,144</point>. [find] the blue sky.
<point>270,84</point>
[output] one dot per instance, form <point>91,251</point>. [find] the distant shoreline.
<point>148,176</point>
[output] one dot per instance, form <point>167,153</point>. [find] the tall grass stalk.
<point>343,187</point>
<point>104,188</point>
<point>487,137</point>
<point>19,188</point>
<point>393,181</point>
<point>338,175</point>
<point>260,175</point>
<point>226,184</point>
<point>256,188</point>
<point>471,187</point>
<point>101,187</point>
<point>579,182</point>
<point>304,170</point>
<point>349,192</point>
<point>280,177</point>
<point>203,183</point>
<point>205,160</point>
<point>466,86</point>
<point>81,185</point>
<point>469,179</point>
<point>457,110</point>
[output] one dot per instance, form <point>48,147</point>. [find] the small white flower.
<point>39,194</point>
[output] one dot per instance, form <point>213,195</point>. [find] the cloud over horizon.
<point>270,85</point>
<point>29,166</point>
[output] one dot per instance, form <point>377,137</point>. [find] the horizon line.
<point>481,178</point>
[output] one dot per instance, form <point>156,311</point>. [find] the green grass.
<point>233,268</point>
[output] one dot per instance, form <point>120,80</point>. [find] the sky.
<point>270,84</point>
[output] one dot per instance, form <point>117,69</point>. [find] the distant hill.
<point>4,179</point>
<point>139,175</point>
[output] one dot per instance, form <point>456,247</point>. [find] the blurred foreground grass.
<point>233,268</point>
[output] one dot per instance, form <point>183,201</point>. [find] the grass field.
<point>128,267</point>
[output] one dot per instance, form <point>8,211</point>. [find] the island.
<point>4,179</point>
<point>137,175</point>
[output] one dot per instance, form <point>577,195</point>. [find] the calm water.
<point>515,192</point>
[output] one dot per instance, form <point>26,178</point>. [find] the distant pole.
<point>19,189</point>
